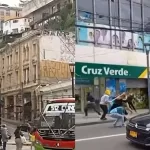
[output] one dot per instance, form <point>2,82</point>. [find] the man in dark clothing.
<point>130,102</point>
<point>90,104</point>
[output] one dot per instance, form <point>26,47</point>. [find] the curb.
<point>93,123</point>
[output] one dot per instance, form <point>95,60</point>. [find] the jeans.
<point>93,106</point>
<point>18,144</point>
<point>119,117</point>
<point>4,145</point>
<point>105,110</point>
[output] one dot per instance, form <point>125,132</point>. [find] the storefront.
<point>118,78</point>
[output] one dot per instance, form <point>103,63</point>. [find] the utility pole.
<point>0,112</point>
<point>22,99</point>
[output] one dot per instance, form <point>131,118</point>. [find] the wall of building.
<point>57,47</point>
<point>15,26</point>
<point>109,56</point>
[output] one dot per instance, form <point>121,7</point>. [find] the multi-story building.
<point>36,59</point>
<point>8,12</point>
<point>16,26</point>
<point>40,12</point>
<point>113,32</point>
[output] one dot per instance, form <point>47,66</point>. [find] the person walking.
<point>118,113</point>
<point>103,104</point>
<point>18,141</point>
<point>5,136</point>
<point>90,104</point>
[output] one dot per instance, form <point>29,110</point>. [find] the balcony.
<point>34,5</point>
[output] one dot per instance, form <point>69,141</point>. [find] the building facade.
<point>27,64</point>
<point>7,12</point>
<point>16,26</point>
<point>40,12</point>
<point>113,32</point>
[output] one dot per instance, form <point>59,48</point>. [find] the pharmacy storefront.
<point>95,78</point>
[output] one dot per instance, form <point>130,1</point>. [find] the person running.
<point>118,114</point>
<point>91,104</point>
<point>103,104</point>
<point>130,102</point>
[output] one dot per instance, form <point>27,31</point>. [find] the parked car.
<point>138,129</point>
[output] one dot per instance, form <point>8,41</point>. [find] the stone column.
<point>15,107</point>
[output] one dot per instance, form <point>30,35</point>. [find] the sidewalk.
<point>12,142</point>
<point>93,118</point>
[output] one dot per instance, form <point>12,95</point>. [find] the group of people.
<point>117,107</point>
<point>19,136</point>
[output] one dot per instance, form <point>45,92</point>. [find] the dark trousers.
<point>132,106</point>
<point>93,106</point>
<point>105,110</point>
<point>4,145</point>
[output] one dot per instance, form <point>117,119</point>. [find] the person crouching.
<point>118,113</point>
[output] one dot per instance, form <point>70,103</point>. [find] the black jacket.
<point>90,98</point>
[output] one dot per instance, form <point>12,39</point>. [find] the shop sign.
<point>91,70</point>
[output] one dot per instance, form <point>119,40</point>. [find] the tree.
<point>64,20</point>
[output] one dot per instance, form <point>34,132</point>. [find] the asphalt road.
<point>103,137</point>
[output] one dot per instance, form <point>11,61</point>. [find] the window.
<point>9,79</point>
<point>8,60</point>
<point>24,75</point>
<point>34,49</point>
<point>16,57</point>
<point>2,13</point>
<point>102,12</point>
<point>3,81</point>
<point>11,60</point>
<point>58,7</point>
<point>3,62</point>
<point>27,53</point>
<point>15,21</point>
<point>53,9</point>
<point>7,13</point>
<point>17,77</point>
<point>24,53</point>
<point>34,73</point>
<point>27,70</point>
<point>125,14</point>
<point>137,13</point>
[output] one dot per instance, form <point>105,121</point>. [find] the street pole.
<point>0,113</point>
<point>148,77</point>
<point>72,75</point>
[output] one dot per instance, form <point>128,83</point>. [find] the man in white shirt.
<point>103,104</point>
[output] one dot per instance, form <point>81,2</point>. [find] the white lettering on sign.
<point>106,71</point>
<point>60,108</point>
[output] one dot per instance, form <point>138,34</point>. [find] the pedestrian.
<point>103,104</point>
<point>18,140</point>
<point>91,104</point>
<point>5,136</point>
<point>118,113</point>
<point>130,101</point>
<point>119,101</point>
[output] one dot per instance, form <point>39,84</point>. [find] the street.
<point>13,147</point>
<point>103,137</point>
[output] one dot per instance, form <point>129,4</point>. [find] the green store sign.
<point>91,70</point>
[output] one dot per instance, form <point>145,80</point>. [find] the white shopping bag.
<point>23,139</point>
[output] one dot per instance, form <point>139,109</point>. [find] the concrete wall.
<point>109,56</point>
<point>59,48</point>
